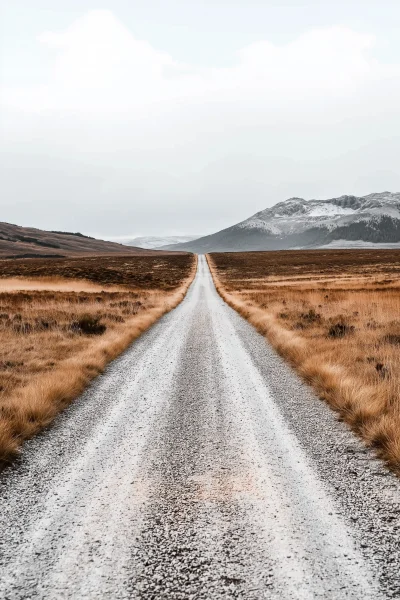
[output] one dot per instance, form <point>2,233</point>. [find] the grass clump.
<point>339,330</point>
<point>89,325</point>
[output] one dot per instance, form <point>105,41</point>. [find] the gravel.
<point>199,466</point>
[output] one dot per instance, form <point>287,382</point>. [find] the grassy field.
<point>335,315</point>
<point>162,271</point>
<point>62,321</point>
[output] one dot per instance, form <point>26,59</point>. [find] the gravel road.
<point>199,466</point>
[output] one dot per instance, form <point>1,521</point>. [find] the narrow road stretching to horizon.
<point>198,466</point>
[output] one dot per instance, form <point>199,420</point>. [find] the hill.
<point>27,242</point>
<point>297,223</point>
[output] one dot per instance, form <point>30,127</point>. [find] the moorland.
<point>29,242</point>
<point>334,315</point>
<point>63,320</point>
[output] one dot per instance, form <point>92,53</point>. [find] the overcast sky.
<point>146,117</point>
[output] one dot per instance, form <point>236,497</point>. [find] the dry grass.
<point>336,318</point>
<point>145,271</point>
<point>52,342</point>
<point>56,284</point>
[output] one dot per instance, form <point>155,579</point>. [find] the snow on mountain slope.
<point>298,223</point>
<point>330,210</point>
<point>296,214</point>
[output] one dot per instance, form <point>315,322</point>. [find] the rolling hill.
<point>27,242</point>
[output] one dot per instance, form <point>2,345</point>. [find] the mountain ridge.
<point>300,223</point>
<point>154,242</point>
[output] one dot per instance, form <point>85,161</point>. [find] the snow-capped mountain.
<point>298,223</point>
<point>156,242</point>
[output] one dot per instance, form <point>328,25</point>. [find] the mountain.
<point>153,242</point>
<point>298,223</point>
<point>19,242</point>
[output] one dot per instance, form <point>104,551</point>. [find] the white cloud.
<point>165,130</point>
<point>100,66</point>
<point>98,53</point>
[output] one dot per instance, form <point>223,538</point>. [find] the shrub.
<point>22,327</point>
<point>340,330</point>
<point>311,316</point>
<point>45,324</point>
<point>392,338</point>
<point>114,318</point>
<point>382,370</point>
<point>88,325</point>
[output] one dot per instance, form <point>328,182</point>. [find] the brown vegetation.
<point>160,270</point>
<point>16,241</point>
<point>52,343</point>
<point>335,315</point>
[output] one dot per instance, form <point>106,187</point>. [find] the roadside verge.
<point>359,402</point>
<point>29,408</point>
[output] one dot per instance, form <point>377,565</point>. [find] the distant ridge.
<point>297,223</point>
<point>153,242</point>
<point>27,242</point>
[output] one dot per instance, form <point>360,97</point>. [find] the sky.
<point>167,117</point>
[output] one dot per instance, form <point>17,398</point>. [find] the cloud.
<point>100,66</point>
<point>97,53</point>
<point>145,126</point>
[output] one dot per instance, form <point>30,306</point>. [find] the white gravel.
<point>198,466</point>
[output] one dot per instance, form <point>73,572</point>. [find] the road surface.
<point>198,466</point>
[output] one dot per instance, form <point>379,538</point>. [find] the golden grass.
<point>341,332</point>
<point>56,284</point>
<point>53,343</point>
